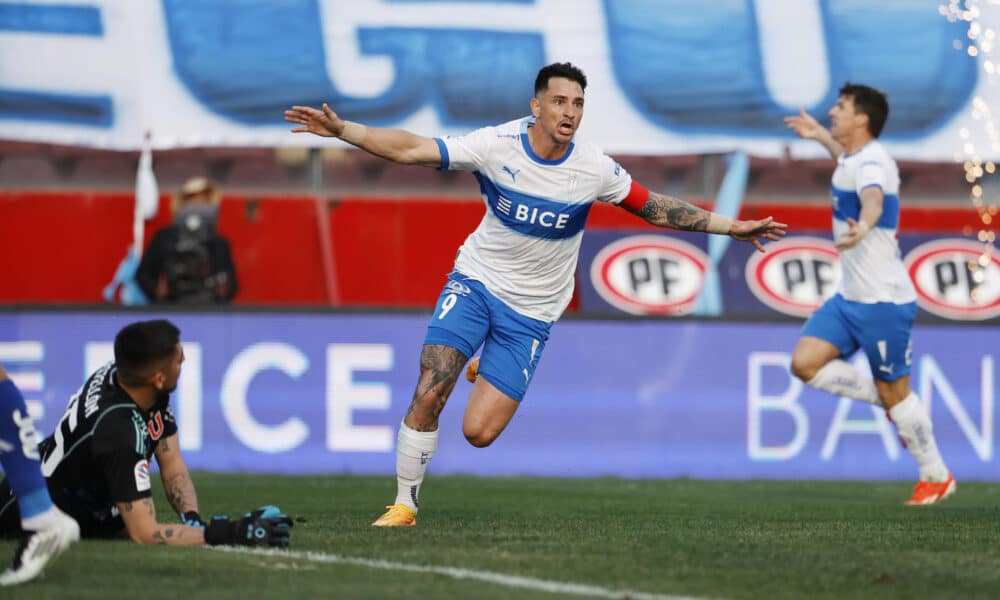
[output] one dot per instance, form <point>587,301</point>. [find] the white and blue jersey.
<point>873,270</point>
<point>876,302</point>
<point>525,249</point>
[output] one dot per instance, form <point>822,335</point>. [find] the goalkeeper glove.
<point>193,519</point>
<point>266,526</point>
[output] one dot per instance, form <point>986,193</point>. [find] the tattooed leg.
<point>440,367</point>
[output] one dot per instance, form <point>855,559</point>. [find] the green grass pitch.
<point>706,539</point>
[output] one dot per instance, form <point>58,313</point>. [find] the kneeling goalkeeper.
<point>96,464</point>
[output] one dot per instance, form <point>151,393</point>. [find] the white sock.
<point>414,450</point>
<point>41,521</point>
<point>915,428</point>
<point>839,377</point>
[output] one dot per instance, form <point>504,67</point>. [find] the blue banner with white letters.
<point>666,76</point>
<point>324,393</point>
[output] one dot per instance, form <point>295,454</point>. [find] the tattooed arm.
<point>666,211</point>
<point>140,522</point>
<point>177,484</point>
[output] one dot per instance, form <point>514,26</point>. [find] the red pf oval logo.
<point>796,275</point>
<point>956,279</point>
<point>649,275</point>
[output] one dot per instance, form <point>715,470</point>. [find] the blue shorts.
<point>468,316</point>
<point>881,329</point>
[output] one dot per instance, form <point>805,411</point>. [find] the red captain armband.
<point>636,199</point>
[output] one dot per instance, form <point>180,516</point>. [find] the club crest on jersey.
<point>796,275</point>
<point>649,275</point>
<point>956,279</point>
<point>155,426</point>
<point>457,287</point>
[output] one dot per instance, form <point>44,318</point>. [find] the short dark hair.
<point>142,344</point>
<point>868,101</point>
<point>567,70</point>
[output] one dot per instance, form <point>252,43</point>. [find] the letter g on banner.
<point>237,63</point>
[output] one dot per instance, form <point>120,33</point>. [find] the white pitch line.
<point>513,581</point>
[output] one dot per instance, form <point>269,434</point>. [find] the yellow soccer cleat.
<point>929,492</point>
<point>472,371</point>
<point>398,515</point>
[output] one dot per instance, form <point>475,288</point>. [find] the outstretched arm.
<point>809,128</point>
<point>266,526</point>
<point>666,211</point>
<point>396,145</point>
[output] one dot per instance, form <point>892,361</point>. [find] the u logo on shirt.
<point>155,426</point>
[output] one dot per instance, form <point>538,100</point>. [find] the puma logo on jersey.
<point>512,172</point>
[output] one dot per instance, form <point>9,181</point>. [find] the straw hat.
<point>198,185</point>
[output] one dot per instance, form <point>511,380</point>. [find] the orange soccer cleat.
<point>397,515</point>
<point>931,492</point>
<point>472,371</point>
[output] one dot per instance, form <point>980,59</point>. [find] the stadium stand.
<point>348,171</point>
<point>27,171</point>
<point>100,170</point>
<point>783,177</point>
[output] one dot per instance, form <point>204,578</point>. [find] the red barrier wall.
<point>64,247</point>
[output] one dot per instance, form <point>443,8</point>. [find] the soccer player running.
<point>46,531</point>
<point>875,303</point>
<point>513,276</point>
<point>97,461</point>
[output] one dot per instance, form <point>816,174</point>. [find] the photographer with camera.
<point>188,262</point>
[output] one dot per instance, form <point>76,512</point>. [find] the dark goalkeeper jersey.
<point>100,452</point>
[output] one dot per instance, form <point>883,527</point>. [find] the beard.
<point>163,397</point>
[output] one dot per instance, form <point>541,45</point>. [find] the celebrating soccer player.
<point>875,303</point>
<point>514,274</point>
